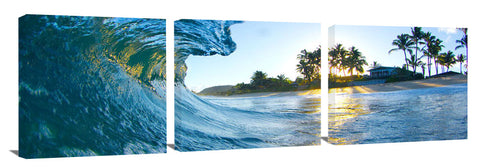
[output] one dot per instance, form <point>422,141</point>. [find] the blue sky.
<point>271,47</point>
<point>375,41</point>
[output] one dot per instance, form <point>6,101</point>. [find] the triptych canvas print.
<point>97,85</point>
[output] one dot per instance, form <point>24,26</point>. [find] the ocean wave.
<point>203,123</point>
<point>91,86</point>
<point>200,38</point>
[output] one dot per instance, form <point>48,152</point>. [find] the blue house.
<point>382,72</point>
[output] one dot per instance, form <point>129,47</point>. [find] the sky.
<point>375,41</point>
<point>271,47</point>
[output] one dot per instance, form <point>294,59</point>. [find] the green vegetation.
<point>261,83</point>
<point>308,66</point>
<point>416,47</point>
<point>343,60</point>
<point>403,43</point>
<point>430,46</point>
<point>402,74</point>
<point>463,44</point>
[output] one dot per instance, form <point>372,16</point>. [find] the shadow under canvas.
<point>14,152</point>
<point>325,139</point>
<point>171,146</point>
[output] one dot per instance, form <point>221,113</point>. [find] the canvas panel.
<point>91,86</point>
<point>243,87</point>
<point>397,84</point>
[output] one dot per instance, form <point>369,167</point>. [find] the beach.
<point>404,85</point>
<point>384,87</point>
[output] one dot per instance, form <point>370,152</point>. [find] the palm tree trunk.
<point>461,68</point>
<point>429,65</point>
<point>406,61</point>
<point>414,68</point>
<point>466,57</point>
<point>416,53</point>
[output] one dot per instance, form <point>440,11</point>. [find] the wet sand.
<point>385,87</point>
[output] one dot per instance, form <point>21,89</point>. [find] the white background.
<point>458,13</point>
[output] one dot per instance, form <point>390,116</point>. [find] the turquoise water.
<point>399,116</point>
<point>91,86</point>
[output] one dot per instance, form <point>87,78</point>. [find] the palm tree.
<point>414,61</point>
<point>461,59</point>
<point>447,59</point>
<point>417,35</point>
<point>402,43</point>
<point>463,43</point>
<point>316,56</point>
<point>282,81</point>
<point>281,77</point>
<point>355,61</point>
<point>342,59</point>
<point>336,55</point>
<point>429,44</point>
<point>302,65</point>
<point>309,64</point>
<point>259,79</point>
<point>304,69</point>
<point>435,49</point>
<point>375,64</point>
<point>314,59</point>
<point>422,65</point>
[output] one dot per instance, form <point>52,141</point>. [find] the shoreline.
<point>384,87</point>
<point>403,85</point>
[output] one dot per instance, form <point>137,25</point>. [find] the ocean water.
<point>399,116</point>
<point>218,123</point>
<point>91,86</point>
<point>214,123</point>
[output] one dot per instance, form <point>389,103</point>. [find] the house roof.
<point>449,73</point>
<point>381,68</point>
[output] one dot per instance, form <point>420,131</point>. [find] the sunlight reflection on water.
<point>399,116</point>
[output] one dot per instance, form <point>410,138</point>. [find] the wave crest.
<point>200,38</point>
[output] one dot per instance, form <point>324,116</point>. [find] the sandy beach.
<point>385,87</point>
<point>415,84</point>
